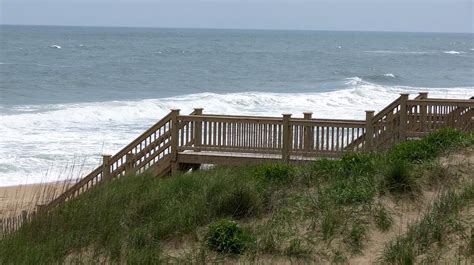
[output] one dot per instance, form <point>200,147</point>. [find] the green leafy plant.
<point>356,237</point>
<point>226,236</point>
<point>397,178</point>
<point>278,172</point>
<point>383,220</point>
<point>430,146</point>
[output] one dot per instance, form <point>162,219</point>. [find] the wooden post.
<point>369,130</point>
<point>40,208</point>
<point>308,133</point>
<point>423,111</point>
<point>106,167</point>
<point>24,216</point>
<point>422,95</point>
<point>129,169</point>
<point>402,129</point>
<point>198,130</point>
<point>174,140</point>
<point>286,137</point>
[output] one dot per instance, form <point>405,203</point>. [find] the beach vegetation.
<point>309,213</point>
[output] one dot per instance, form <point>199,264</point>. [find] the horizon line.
<point>256,29</point>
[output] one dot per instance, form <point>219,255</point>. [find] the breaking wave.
<point>38,138</point>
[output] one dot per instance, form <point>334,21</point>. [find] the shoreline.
<point>16,198</point>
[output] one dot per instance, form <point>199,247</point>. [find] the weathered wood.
<point>106,167</point>
<point>402,129</point>
<point>256,138</point>
<point>129,168</point>
<point>369,130</point>
<point>174,140</point>
<point>422,95</point>
<point>286,136</point>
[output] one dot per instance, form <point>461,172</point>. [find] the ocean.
<point>70,94</point>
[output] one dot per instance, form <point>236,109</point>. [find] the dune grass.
<point>431,229</point>
<point>286,209</point>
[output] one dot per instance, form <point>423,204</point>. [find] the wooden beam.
<point>369,130</point>
<point>403,117</point>
<point>286,137</point>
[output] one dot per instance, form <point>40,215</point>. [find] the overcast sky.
<point>370,15</point>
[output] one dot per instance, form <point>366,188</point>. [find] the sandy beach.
<point>14,199</point>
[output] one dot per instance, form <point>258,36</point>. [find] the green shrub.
<point>277,172</point>
<point>430,146</point>
<point>398,252</point>
<point>226,236</point>
<point>350,179</point>
<point>339,257</point>
<point>415,151</point>
<point>398,179</point>
<point>429,230</point>
<point>357,164</point>
<point>331,220</point>
<point>326,168</point>
<point>350,164</point>
<point>357,236</point>
<point>383,220</point>
<point>238,202</point>
<point>445,138</point>
<point>297,248</point>
<point>352,190</point>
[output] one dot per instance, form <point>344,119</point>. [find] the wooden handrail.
<point>451,102</point>
<point>286,135</point>
<point>274,120</point>
<point>140,138</point>
<point>341,123</point>
<point>387,109</point>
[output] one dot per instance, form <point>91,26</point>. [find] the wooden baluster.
<point>225,134</point>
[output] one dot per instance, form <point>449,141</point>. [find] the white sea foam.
<point>398,52</point>
<point>452,52</point>
<point>37,139</point>
<point>389,75</point>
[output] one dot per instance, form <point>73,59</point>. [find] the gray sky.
<point>373,15</point>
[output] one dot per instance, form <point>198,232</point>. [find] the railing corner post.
<point>423,111</point>
<point>286,137</point>
<point>24,216</point>
<point>106,167</point>
<point>198,130</point>
<point>174,139</point>
<point>369,130</point>
<point>422,95</point>
<point>308,133</point>
<point>402,129</point>
<point>129,167</point>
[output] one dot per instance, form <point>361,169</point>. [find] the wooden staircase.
<point>182,142</point>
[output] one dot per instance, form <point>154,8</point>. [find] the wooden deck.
<point>181,142</point>
<point>232,158</point>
